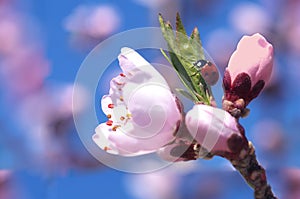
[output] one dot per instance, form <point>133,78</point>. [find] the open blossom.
<point>214,129</point>
<point>249,68</point>
<point>142,113</point>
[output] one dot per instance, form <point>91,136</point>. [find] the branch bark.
<point>253,173</point>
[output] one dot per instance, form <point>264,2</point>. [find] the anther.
<point>106,148</point>
<point>115,127</point>
<point>109,123</point>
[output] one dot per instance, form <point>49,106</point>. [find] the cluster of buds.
<point>144,116</point>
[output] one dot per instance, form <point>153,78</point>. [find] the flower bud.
<point>214,129</point>
<point>249,69</point>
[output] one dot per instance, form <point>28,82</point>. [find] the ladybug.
<point>208,71</point>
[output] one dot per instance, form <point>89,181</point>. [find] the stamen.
<point>128,115</point>
<point>106,148</point>
<point>122,75</point>
<point>122,118</point>
<point>119,83</point>
<point>108,116</point>
<point>109,123</point>
<point>110,106</point>
<point>121,98</point>
<point>115,127</point>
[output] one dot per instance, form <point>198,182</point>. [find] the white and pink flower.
<point>142,113</point>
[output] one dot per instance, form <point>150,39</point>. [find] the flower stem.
<point>253,172</point>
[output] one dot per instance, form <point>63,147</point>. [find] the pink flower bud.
<point>214,129</point>
<point>142,113</point>
<point>249,69</point>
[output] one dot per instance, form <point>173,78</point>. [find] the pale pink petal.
<point>131,62</point>
<point>254,56</point>
<point>101,139</point>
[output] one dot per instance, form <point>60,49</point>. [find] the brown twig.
<point>245,161</point>
<point>254,174</point>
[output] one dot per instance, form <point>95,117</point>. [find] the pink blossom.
<point>160,184</point>
<point>271,130</point>
<point>141,110</point>
<point>249,18</point>
<point>155,3</point>
<point>291,179</point>
<point>214,129</point>
<point>8,188</point>
<point>249,68</point>
<point>10,32</point>
<point>89,24</point>
<point>24,72</point>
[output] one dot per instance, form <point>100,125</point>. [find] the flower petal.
<point>104,141</point>
<point>131,62</point>
<point>154,119</point>
<point>101,139</point>
<point>254,56</point>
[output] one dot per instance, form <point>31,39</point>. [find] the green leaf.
<point>183,53</point>
<point>196,44</point>
<point>168,33</point>
<point>182,76</point>
<point>181,36</point>
<point>185,93</point>
<point>165,55</point>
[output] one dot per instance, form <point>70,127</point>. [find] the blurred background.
<point>43,43</point>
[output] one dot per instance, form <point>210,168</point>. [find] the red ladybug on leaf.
<point>208,71</point>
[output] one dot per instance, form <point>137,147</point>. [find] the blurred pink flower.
<point>214,129</point>
<point>41,111</point>
<point>162,184</point>
<point>10,32</point>
<point>220,51</point>
<point>249,18</point>
<point>24,71</point>
<point>291,177</point>
<point>142,112</point>
<point>249,68</point>
<point>156,185</point>
<point>271,130</point>
<point>4,175</point>
<point>17,31</point>
<point>8,188</point>
<point>92,23</point>
<point>45,119</point>
<point>155,3</point>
